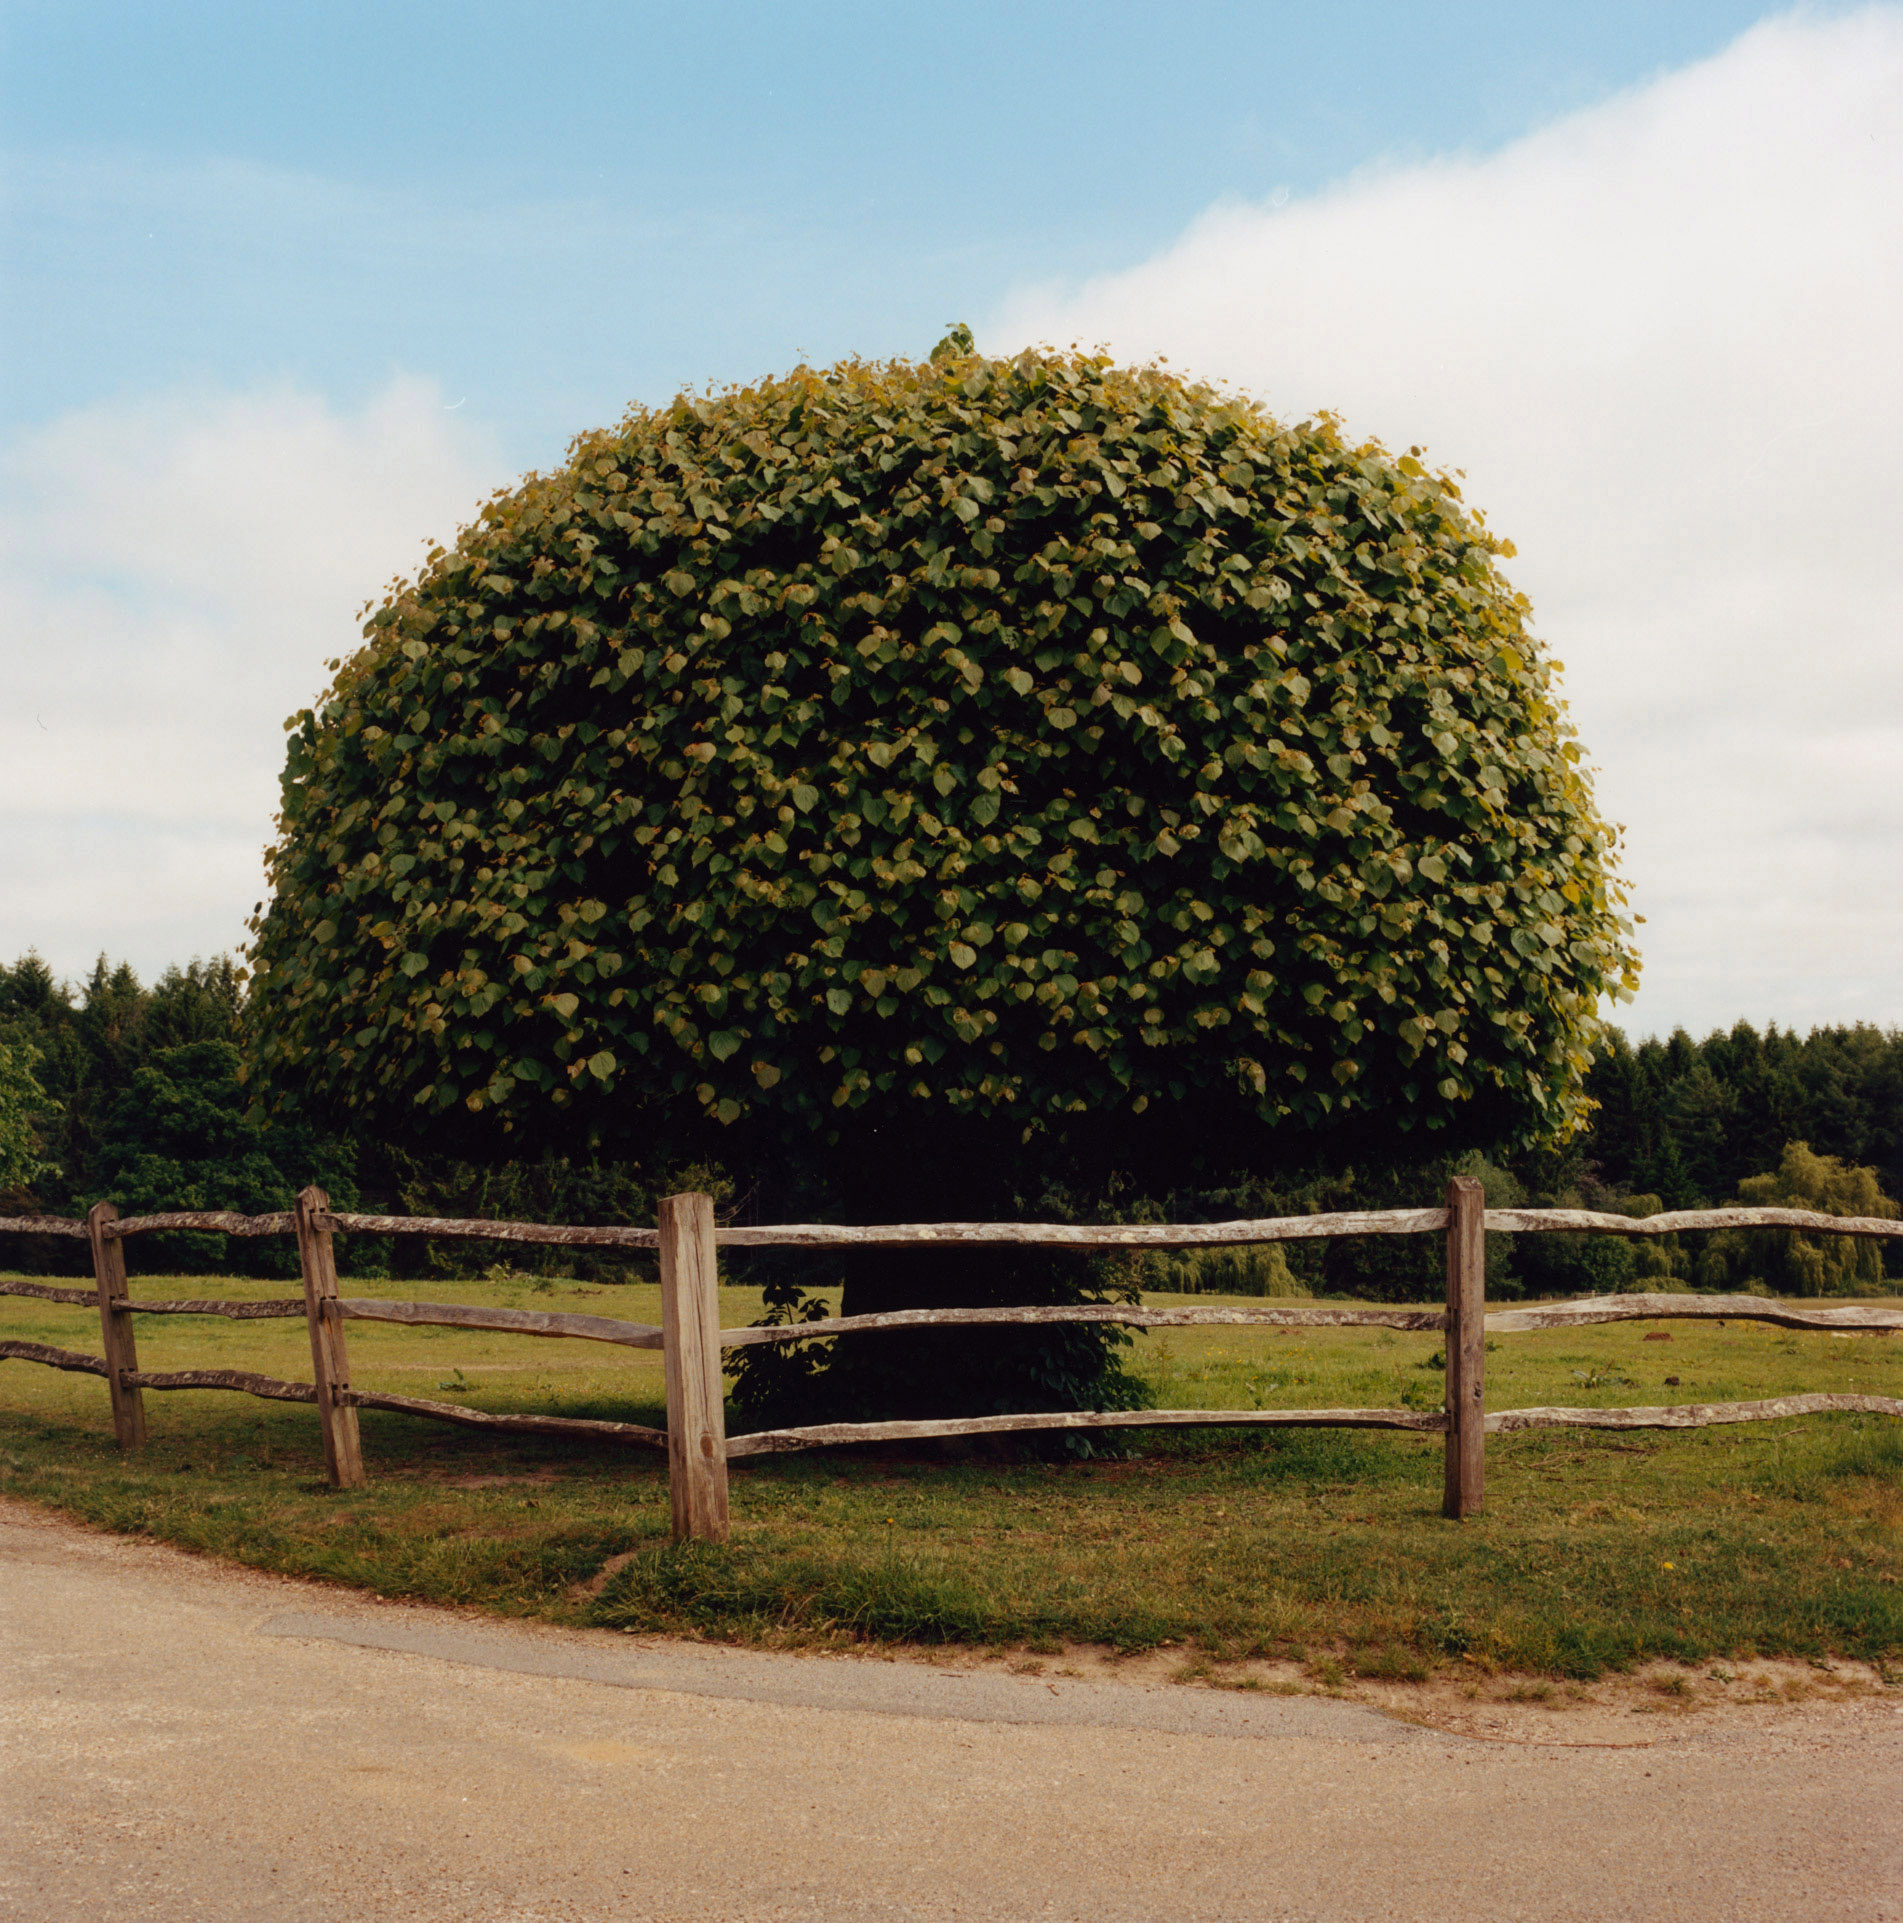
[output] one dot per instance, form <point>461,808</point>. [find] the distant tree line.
<point>113,1089</point>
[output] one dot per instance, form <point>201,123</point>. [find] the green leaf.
<point>719,682</point>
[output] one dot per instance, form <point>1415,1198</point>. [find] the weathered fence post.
<point>330,1360</point>
<point>115,1327</point>
<point>1466,1349</point>
<point>690,1337</point>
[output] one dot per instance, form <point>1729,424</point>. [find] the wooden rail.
<point>17,1351</point>
<point>1673,1222</point>
<point>1130,1315</point>
<point>1107,1235</point>
<point>268,1386</point>
<point>1692,1415</point>
<point>457,1315</point>
<point>1120,1235</point>
<point>208,1221</point>
<point>826,1435</point>
<point>528,1425</point>
<point>459,1228</point>
<point>1688,1308</point>
<point>42,1225</point>
<point>235,1311</point>
<point>687,1241</point>
<point>81,1298</point>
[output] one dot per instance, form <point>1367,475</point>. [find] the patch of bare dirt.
<point>584,1592</point>
<point>1658,1704</point>
<point>1641,1709</point>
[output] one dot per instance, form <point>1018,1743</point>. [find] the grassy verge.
<point>1596,1552</point>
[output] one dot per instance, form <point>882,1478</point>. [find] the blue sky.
<point>286,291</point>
<point>554,211</point>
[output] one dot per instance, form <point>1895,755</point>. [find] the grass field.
<point>1326,1547</point>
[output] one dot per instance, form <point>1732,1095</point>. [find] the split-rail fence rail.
<point>687,1239</point>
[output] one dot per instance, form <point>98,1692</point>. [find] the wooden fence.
<point>691,1339</point>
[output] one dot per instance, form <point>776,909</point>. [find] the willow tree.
<point>926,776</point>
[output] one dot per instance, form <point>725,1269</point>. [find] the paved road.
<point>178,1740</point>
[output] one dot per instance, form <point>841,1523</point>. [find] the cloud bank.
<point>173,576</point>
<point>1660,339</point>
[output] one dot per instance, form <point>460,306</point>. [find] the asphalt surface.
<point>181,1740</point>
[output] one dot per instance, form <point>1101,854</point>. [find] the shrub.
<point>930,783</point>
<point>1788,1261</point>
<point>1261,1269</point>
<point>1019,739</point>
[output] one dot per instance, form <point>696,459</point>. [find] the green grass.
<point>1327,1546</point>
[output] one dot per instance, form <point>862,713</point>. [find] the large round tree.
<point>938,768</point>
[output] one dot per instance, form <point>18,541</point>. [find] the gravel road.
<point>182,1740</point>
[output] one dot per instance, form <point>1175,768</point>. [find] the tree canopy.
<point>23,1113</point>
<point>1791,1262</point>
<point>1006,739</point>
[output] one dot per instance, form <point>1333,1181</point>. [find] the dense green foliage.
<point>1017,740</point>
<point>90,1042</point>
<point>1680,1124</point>
<point>181,1136</point>
<point>24,1115</point>
<point>1792,1263</point>
<point>1689,1120</point>
<point>145,1107</point>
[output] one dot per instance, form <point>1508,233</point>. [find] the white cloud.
<point>1660,337</point>
<point>173,575</point>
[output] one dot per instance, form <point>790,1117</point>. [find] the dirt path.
<point>180,1740</point>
